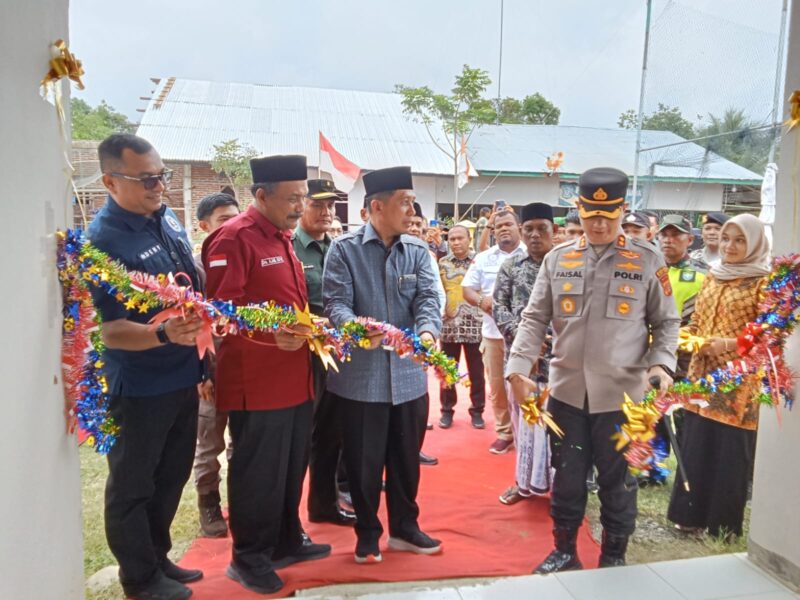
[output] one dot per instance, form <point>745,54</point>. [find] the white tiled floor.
<point>725,577</point>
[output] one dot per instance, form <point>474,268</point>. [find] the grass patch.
<point>96,555</point>
<point>656,538</point>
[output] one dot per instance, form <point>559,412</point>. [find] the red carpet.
<point>458,504</point>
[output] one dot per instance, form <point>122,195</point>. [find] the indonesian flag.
<point>465,169</point>
<point>344,172</point>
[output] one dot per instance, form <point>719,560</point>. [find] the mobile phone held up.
<point>500,205</point>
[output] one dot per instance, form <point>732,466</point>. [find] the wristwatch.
<point>161,333</point>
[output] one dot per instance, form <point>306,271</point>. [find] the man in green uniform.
<point>311,242</point>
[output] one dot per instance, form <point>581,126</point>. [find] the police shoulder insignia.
<point>621,241</point>
<point>582,242</point>
<point>663,276</point>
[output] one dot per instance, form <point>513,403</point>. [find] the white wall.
<point>40,543</point>
<point>775,526</point>
<point>519,191</point>
<point>684,196</point>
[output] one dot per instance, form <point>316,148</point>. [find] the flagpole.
<point>319,156</point>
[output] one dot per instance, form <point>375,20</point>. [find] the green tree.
<point>453,115</point>
<point>510,111</point>
<point>232,160</point>
<point>97,123</point>
<point>665,118</point>
<point>538,110</point>
<point>534,109</point>
<point>734,139</point>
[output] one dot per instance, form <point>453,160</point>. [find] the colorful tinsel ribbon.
<point>82,266</point>
<point>760,347</point>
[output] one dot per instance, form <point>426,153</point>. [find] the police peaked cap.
<point>537,210</point>
<point>272,169</point>
<point>715,217</point>
<point>636,218</point>
<point>388,180</point>
<point>602,192</point>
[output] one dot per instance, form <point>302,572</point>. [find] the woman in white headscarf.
<point>718,441</point>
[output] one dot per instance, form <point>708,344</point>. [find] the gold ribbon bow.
<point>304,317</point>
<point>534,414</point>
<point>794,110</point>
<point>640,426</point>
<point>63,64</point>
<point>688,342</point>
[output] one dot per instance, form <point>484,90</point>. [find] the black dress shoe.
<point>340,517</point>
<point>308,550</point>
<point>161,588</point>
<point>266,582</point>
<point>176,573</point>
<point>446,420</point>
<point>558,561</point>
<point>424,459</point>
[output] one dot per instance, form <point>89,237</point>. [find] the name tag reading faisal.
<point>272,260</point>
<point>218,260</point>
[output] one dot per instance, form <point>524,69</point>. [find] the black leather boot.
<point>612,550</point>
<point>565,555</point>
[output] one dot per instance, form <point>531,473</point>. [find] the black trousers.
<point>265,481</point>
<point>587,441</point>
<point>147,470</point>
<point>477,390</point>
<point>326,448</point>
<point>718,460</point>
<point>380,436</point>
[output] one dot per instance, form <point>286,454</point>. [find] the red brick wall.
<point>204,182</point>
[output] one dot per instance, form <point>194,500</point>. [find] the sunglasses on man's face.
<point>149,182</point>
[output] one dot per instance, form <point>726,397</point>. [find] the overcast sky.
<point>583,55</point>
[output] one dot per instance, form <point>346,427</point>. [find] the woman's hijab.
<point>756,263</point>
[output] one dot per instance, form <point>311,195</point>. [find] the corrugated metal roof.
<point>370,129</point>
<point>523,149</point>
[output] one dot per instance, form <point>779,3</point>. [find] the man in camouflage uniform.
<point>615,326</point>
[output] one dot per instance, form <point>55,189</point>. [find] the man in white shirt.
<point>478,286</point>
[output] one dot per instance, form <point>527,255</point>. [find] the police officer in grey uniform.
<point>615,326</point>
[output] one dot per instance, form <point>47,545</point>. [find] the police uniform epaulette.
<point>644,245</point>
<point>564,244</point>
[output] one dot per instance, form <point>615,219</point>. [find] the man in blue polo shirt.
<point>152,374</point>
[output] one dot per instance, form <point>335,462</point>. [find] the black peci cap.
<point>388,180</point>
<point>537,210</point>
<point>602,193</point>
<point>272,169</point>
